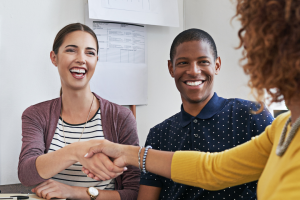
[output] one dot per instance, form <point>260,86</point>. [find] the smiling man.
<point>206,121</point>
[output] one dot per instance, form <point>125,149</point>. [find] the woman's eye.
<point>91,53</point>
<point>70,50</point>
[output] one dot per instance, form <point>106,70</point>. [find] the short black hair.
<point>193,34</point>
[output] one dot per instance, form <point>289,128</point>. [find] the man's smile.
<point>194,83</point>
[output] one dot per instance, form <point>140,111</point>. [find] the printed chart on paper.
<point>135,5</point>
<point>120,43</point>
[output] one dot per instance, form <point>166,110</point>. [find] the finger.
<point>40,185</point>
<point>51,195</point>
<point>103,177</point>
<point>91,175</point>
<point>47,191</point>
<point>111,167</point>
<point>50,187</point>
<point>39,189</point>
<point>107,167</point>
<point>86,171</point>
<point>119,162</point>
<point>93,150</point>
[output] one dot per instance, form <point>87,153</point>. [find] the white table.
<point>31,196</point>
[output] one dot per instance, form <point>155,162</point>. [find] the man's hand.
<point>98,163</point>
<point>112,150</point>
<point>102,167</point>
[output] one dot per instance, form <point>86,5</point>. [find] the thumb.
<point>92,151</point>
<point>119,162</point>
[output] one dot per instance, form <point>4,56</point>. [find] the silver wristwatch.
<point>93,192</point>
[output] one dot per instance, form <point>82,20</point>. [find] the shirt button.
<point>196,135</point>
<point>195,120</point>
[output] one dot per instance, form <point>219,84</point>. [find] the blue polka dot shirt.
<point>221,124</point>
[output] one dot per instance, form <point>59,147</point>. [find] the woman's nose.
<point>80,58</point>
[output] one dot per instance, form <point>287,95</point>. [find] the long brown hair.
<point>59,39</point>
<point>270,34</point>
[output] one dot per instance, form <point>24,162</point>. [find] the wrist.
<point>131,155</point>
<point>75,152</point>
<point>79,193</point>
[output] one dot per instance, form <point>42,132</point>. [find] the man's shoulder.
<point>170,122</point>
<point>243,104</point>
<point>240,107</point>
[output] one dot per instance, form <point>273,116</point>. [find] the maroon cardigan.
<point>38,127</point>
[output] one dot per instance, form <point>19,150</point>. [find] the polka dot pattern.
<point>222,124</point>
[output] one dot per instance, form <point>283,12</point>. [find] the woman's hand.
<point>53,189</point>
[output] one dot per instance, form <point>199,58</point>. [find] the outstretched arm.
<point>52,163</point>
<point>212,171</point>
<point>158,162</point>
<point>35,166</point>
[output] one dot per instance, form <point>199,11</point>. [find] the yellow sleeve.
<point>289,186</point>
<point>215,171</point>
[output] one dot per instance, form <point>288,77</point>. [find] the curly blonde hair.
<point>270,34</point>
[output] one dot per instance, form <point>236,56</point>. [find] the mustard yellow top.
<point>279,177</point>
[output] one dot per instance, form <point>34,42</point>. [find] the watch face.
<point>93,191</point>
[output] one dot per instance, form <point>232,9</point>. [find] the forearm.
<point>52,163</point>
<point>215,171</point>
<point>157,162</point>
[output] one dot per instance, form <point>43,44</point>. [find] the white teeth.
<point>80,71</point>
<point>195,83</point>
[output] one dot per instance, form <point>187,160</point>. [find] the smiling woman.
<point>57,133</point>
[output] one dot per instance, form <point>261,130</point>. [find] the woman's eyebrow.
<point>91,48</point>
<point>71,45</point>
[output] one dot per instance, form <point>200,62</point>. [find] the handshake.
<point>107,160</point>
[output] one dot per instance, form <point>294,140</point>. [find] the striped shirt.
<point>73,175</point>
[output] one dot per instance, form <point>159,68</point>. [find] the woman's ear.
<point>53,58</point>
<point>170,66</point>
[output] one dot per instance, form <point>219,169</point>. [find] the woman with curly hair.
<point>270,34</point>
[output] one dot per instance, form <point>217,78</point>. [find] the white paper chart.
<point>153,12</point>
<point>136,5</point>
<point>121,75</point>
<point>120,43</point>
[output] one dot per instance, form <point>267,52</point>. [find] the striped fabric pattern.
<point>73,175</point>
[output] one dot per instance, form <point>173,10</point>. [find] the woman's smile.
<point>78,72</point>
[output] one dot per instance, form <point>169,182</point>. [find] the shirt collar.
<point>214,105</point>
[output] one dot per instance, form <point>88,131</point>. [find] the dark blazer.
<point>38,127</point>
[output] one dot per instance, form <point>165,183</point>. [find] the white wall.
<point>213,16</point>
<point>27,31</point>
<point>28,28</point>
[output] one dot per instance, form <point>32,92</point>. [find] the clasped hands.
<point>105,161</point>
